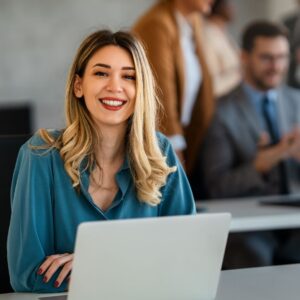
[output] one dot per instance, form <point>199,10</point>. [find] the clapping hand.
<point>268,156</point>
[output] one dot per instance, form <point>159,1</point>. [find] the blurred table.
<point>266,283</point>
<point>249,215</point>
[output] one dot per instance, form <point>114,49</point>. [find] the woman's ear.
<point>78,87</point>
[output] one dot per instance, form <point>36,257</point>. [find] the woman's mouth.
<point>112,103</point>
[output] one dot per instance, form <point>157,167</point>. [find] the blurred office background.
<point>39,39</point>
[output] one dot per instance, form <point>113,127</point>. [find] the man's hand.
<point>53,263</point>
<point>267,156</point>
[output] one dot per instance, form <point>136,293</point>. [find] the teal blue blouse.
<point>46,209</point>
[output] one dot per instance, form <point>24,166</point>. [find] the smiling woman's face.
<point>108,86</point>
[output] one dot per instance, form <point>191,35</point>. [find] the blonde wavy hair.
<point>78,140</point>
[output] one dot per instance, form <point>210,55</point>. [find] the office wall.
<point>38,42</point>
<point>278,8</point>
<point>39,38</point>
<point>248,10</point>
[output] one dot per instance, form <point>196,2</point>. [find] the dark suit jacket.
<point>226,161</point>
<point>291,22</point>
<point>159,32</point>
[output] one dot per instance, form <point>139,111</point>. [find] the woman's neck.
<point>112,145</point>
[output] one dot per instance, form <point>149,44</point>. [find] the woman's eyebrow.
<point>128,68</point>
<point>102,65</point>
<point>109,67</point>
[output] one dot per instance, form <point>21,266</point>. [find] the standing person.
<point>292,22</point>
<point>108,163</point>
<point>171,33</point>
<point>253,145</point>
<point>221,51</point>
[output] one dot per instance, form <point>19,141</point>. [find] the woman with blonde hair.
<point>108,163</point>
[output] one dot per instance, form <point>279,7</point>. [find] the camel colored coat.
<point>160,35</point>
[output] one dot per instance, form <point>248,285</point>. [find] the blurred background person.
<point>171,33</point>
<point>220,49</point>
<point>253,145</point>
<point>292,22</point>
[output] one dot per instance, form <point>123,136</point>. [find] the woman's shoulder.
<point>37,139</point>
<point>163,141</point>
<point>167,149</point>
<point>38,144</point>
<point>159,12</point>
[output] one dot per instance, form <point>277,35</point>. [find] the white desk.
<point>25,296</point>
<point>249,215</point>
<point>267,283</point>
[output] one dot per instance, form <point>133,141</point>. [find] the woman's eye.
<point>129,77</point>
<point>100,74</point>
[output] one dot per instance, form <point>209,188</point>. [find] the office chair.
<point>9,147</point>
<point>16,118</point>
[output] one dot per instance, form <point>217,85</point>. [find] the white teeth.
<point>112,102</point>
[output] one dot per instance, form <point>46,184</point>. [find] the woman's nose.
<point>114,84</point>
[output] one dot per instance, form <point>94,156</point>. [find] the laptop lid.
<point>156,258</point>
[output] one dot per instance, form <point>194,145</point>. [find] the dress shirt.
<point>193,76</point>
<point>46,209</point>
<point>256,98</point>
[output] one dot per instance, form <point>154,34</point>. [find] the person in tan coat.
<point>171,34</point>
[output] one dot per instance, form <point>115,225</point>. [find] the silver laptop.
<point>156,258</point>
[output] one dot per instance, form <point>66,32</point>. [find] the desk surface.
<point>266,283</point>
<point>248,214</point>
<point>276,283</point>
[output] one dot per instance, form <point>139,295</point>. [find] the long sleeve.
<point>31,232</point>
<point>46,211</point>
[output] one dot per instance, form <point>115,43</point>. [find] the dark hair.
<point>257,29</point>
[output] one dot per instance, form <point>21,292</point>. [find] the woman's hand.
<point>53,263</point>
